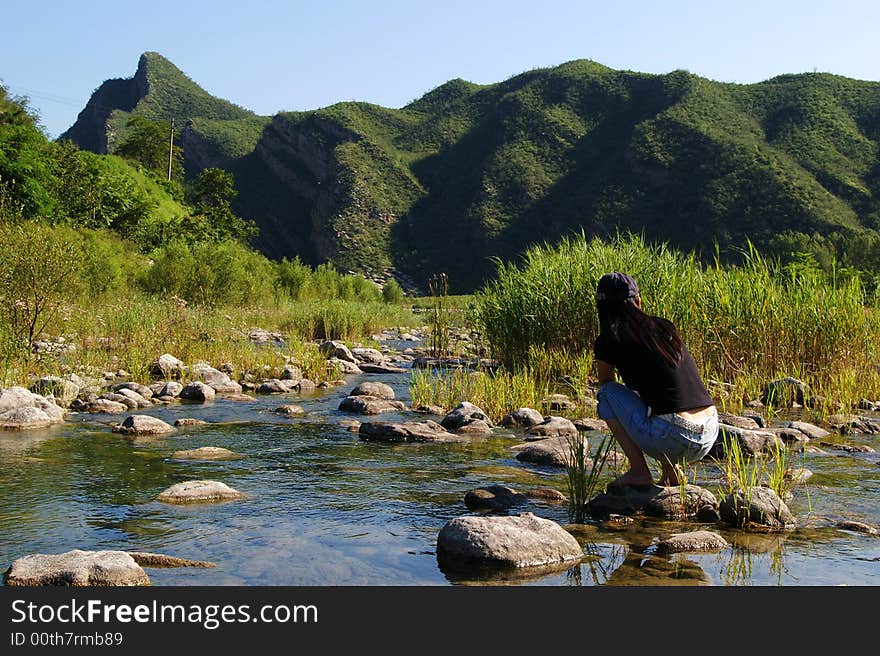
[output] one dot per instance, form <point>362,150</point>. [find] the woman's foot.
<point>632,478</point>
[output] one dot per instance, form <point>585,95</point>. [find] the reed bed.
<point>744,324</point>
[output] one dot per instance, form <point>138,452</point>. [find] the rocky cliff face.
<point>91,130</point>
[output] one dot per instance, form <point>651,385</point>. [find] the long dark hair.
<point>627,322</point>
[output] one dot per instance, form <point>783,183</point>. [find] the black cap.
<point>616,287</point>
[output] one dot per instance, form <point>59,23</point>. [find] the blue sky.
<point>274,56</point>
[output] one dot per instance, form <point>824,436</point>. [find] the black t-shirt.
<point>663,387</point>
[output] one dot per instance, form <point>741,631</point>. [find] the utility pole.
<point>170,149</point>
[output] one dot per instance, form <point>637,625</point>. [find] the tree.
<point>147,143</point>
<point>212,196</point>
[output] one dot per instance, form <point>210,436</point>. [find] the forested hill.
<point>470,172</point>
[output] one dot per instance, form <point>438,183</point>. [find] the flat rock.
<point>143,390</point>
<point>369,368</point>
<point>369,355</point>
<point>374,389</point>
<point>789,435</point>
<point>143,425</point>
<point>183,422</point>
<point>692,541</point>
<point>810,430</point>
<point>549,452</point>
<point>510,541</point>
<point>751,442</point>
<point>276,386</point>
<point>140,400</point>
<point>206,453</point>
<point>859,527</point>
<point>656,501</point>
<point>198,492</point>
<point>129,403</point>
<point>147,559</point>
<point>369,405</point>
<point>107,407</point>
<point>289,410</point>
<point>740,422</point>
<point>27,418</point>
<point>409,431</point>
<point>493,498</point>
<point>77,568</point>
<point>546,494</point>
<point>430,410</point>
<point>240,398</point>
<point>590,424</point>
<point>198,391</point>
<point>552,426</point>
<point>522,418</point>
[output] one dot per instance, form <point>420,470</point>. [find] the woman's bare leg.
<point>638,473</point>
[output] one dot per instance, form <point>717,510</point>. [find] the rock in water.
<point>513,541</point>
<point>198,391</point>
<point>692,541</point>
<point>77,568</point>
<point>377,390</point>
<point>759,507</point>
<point>199,492</point>
<point>143,425</point>
<point>408,431</point>
<point>493,498</point>
<point>206,453</point>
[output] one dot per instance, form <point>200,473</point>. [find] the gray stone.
<point>494,498</point>
<point>810,430</point>
<point>522,418</point>
<point>206,453</point>
<point>167,366</point>
<point>16,397</point>
<point>656,501</point>
<point>549,452</point>
<point>751,442</point>
<point>305,385</point>
<point>333,349</point>
<point>139,400</point>
<point>590,424</point>
<point>410,431</point>
<point>62,390</point>
<point>789,435</point>
<point>25,418</point>
<point>219,381</point>
<point>430,410</point>
<point>552,426</point>
<point>858,527</point>
<point>289,410</point>
<point>291,372</point>
<point>370,405</point>
<point>546,494</point>
<point>344,366</point>
<point>368,355</point>
<point>198,391</point>
<point>760,507</point>
<point>106,406</point>
<point>511,541</point>
<point>785,392</point>
<point>76,568</point>
<point>276,386</point>
<point>129,403</point>
<point>692,541</point>
<point>377,390</point>
<point>143,425</point>
<point>198,492</point>
<point>558,402</point>
<point>369,368</point>
<point>171,388</point>
<point>467,418</point>
<point>183,422</point>
<point>146,559</point>
<point>851,425</point>
<point>740,422</point>
<point>143,390</point>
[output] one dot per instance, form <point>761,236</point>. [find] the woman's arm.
<point>605,372</point>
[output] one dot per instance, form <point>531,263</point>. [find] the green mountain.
<point>468,172</point>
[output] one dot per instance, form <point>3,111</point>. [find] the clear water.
<point>325,508</point>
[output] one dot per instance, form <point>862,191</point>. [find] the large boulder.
<point>21,409</point>
<point>198,391</point>
<point>344,366</point>
<point>198,492</point>
<point>552,426</point>
<point>76,568</point>
<point>408,431</point>
<point>759,507</point>
<point>509,541</point>
<point>384,368</point>
<point>522,418</point>
<point>143,425</point>
<point>467,418</point>
<point>673,502</point>
<point>377,390</point>
<point>106,406</point>
<point>370,405</point>
<point>369,355</point>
